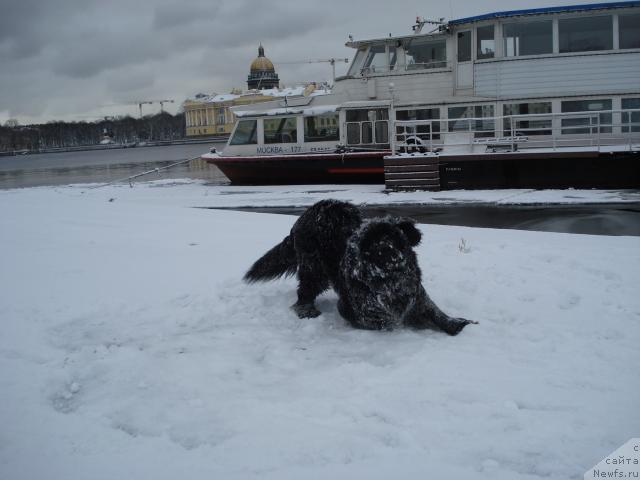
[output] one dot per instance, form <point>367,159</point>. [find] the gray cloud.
<point>175,15</point>
<point>104,51</point>
<point>60,58</point>
<point>28,26</point>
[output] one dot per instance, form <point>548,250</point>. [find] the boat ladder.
<point>412,172</point>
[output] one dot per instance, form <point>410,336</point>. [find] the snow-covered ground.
<point>195,193</point>
<point>130,348</point>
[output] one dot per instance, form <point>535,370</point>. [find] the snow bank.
<point>130,348</point>
<point>197,193</point>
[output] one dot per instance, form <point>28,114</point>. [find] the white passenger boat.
<point>547,97</point>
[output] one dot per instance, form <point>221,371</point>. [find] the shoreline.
<point>613,219</point>
<point>89,148</point>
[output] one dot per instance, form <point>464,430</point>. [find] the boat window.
<point>422,131</point>
<point>321,128</point>
<point>629,26</point>
<point>367,133</point>
<point>584,116</point>
<point>280,130</point>
<point>393,57</point>
<point>486,42</point>
<point>363,114</point>
<point>426,54</point>
<point>464,46</point>
<point>376,59</point>
<point>367,126</point>
<point>631,120</point>
<point>471,118</point>
<point>525,126</point>
<point>245,133</point>
<point>585,34</point>
<point>528,38</point>
<point>382,131</point>
<point>359,115</point>
<point>356,65</point>
<point>353,133</point>
<point>418,114</point>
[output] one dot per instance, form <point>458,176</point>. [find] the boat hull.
<point>576,169</point>
<point>350,167</point>
<point>548,170</point>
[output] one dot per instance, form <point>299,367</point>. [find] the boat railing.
<point>594,129</point>
<point>409,67</point>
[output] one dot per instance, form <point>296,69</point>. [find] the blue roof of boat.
<point>538,11</point>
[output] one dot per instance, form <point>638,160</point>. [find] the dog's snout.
<point>387,254</point>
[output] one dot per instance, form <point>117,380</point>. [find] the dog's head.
<point>387,243</point>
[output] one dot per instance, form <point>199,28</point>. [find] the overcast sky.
<point>79,59</point>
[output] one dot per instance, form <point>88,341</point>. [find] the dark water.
<point>102,166</point>
<point>594,219</point>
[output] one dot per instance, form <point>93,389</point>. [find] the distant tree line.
<point>125,130</point>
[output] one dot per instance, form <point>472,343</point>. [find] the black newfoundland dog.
<point>381,283</point>
<point>370,264</point>
<point>313,249</point>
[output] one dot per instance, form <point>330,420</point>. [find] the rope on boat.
<point>137,175</point>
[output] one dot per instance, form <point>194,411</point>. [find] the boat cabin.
<point>484,69</point>
<point>287,130</point>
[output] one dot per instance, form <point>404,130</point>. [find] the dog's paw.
<point>307,310</point>
<point>456,325</point>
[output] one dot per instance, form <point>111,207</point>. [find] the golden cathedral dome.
<point>262,74</point>
<point>262,63</point>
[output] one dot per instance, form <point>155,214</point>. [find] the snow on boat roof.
<point>305,111</point>
<point>296,91</point>
<point>540,11</point>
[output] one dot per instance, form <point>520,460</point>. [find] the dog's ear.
<point>408,227</point>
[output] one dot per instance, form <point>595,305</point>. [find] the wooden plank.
<point>414,188</point>
<point>411,168</point>
<point>408,176</point>
<point>414,181</point>
<point>411,161</point>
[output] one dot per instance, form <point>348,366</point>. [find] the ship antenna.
<point>421,22</point>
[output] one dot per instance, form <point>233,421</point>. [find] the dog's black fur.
<point>313,249</point>
<point>371,266</point>
<point>381,283</point>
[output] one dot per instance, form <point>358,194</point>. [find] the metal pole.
<point>155,170</point>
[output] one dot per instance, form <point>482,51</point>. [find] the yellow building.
<point>207,115</point>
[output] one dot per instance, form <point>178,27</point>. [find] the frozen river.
<point>102,166</point>
<point>98,166</point>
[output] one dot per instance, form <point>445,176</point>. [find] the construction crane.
<point>162,102</point>
<point>140,103</point>
<point>331,61</point>
<point>149,102</point>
